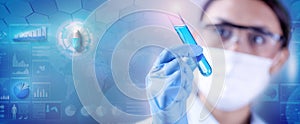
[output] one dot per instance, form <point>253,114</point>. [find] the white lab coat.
<point>194,114</point>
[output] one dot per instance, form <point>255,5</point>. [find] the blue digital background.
<point>48,71</point>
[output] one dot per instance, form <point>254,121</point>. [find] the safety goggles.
<point>251,39</point>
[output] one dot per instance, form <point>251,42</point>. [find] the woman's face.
<point>245,13</point>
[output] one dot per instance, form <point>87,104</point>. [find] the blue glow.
<point>187,38</point>
<point>46,66</point>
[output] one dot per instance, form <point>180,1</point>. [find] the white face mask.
<point>246,76</point>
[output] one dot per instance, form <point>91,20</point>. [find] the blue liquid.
<point>76,43</point>
<point>187,38</point>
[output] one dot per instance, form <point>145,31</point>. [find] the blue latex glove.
<point>169,83</point>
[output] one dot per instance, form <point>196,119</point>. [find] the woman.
<point>253,32</point>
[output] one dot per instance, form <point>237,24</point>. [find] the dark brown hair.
<point>281,13</point>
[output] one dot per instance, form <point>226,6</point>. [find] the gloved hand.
<point>169,83</point>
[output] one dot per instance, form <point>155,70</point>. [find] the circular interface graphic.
<point>73,39</point>
<point>125,42</point>
<point>127,39</point>
<point>70,110</point>
<point>21,90</point>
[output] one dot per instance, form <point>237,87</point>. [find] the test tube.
<point>187,38</point>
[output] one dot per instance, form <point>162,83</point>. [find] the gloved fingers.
<point>172,86</point>
<point>166,69</point>
<point>164,57</point>
<point>187,65</point>
<point>156,85</point>
<point>176,69</point>
<point>158,81</point>
<point>182,51</point>
<point>171,79</point>
<point>168,97</point>
<point>184,91</point>
<point>186,82</point>
<point>170,72</point>
<point>188,61</point>
<point>174,79</point>
<point>172,66</point>
<point>179,81</point>
<point>170,90</point>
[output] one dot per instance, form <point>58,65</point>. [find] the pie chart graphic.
<point>21,90</point>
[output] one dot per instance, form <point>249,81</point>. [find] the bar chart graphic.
<point>32,35</point>
<point>40,90</point>
<point>40,93</point>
